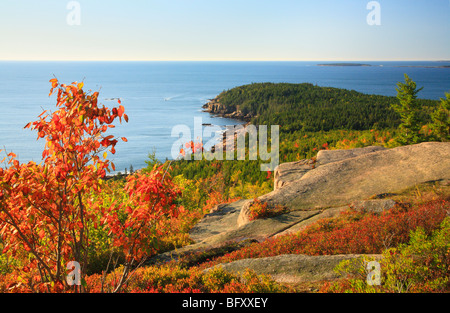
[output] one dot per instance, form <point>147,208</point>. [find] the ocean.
<point>159,95</point>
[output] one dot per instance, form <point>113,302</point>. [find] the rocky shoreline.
<point>230,142</point>
<point>213,106</point>
<point>216,108</point>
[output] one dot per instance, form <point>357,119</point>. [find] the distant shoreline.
<point>424,66</point>
<point>344,64</point>
<point>369,65</point>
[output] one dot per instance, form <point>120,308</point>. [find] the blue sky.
<point>224,30</point>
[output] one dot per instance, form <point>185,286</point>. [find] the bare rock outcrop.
<point>338,180</point>
<point>373,205</point>
<point>290,172</point>
<point>330,156</point>
<point>342,177</point>
<point>286,173</point>
<point>215,107</point>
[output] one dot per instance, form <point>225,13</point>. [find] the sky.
<point>224,30</point>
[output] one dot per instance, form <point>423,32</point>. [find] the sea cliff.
<point>215,107</point>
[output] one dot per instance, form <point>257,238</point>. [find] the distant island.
<point>426,66</point>
<point>344,64</point>
<point>362,64</point>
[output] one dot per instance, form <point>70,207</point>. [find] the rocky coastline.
<point>215,107</point>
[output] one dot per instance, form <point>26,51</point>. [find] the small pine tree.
<point>440,125</point>
<point>152,161</point>
<point>131,169</point>
<point>409,110</point>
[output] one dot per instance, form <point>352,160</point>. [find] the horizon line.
<point>98,60</point>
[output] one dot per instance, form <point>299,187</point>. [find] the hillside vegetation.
<point>309,108</point>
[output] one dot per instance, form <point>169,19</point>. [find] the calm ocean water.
<point>160,95</point>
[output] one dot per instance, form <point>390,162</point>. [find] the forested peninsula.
<point>309,108</point>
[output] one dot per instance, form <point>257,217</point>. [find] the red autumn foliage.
<point>191,148</point>
<point>42,210</point>
<point>137,225</point>
<point>337,235</point>
<point>260,209</point>
<point>171,278</point>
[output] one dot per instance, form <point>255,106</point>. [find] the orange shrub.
<point>259,209</point>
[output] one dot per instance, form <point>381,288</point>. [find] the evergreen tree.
<point>409,110</point>
<point>440,125</point>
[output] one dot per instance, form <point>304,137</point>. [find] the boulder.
<point>286,173</point>
<point>362,176</point>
